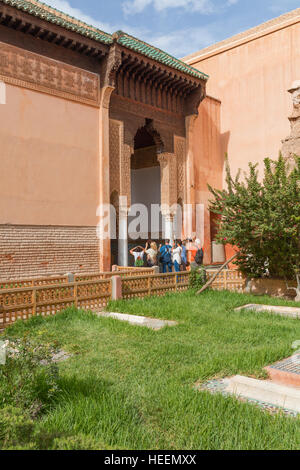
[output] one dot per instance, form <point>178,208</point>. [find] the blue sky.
<point>179,27</point>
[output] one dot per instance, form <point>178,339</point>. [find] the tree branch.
<point>209,283</point>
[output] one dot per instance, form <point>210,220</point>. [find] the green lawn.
<point>132,388</point>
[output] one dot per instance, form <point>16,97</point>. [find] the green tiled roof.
<point>157,54</point>
<point>50,14</point>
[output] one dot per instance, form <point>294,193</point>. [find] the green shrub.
<point>16,428</point>
<point>79,442</point>
<point>18,431</point>
<point>29,379</point>
<point>261,217</point>
<point>197,278</point>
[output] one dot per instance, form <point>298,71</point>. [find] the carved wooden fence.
<point>229,279</point>
<point>47,281</point>
<point>118,271</point>
<point>130,271</point>
<point>15,284</point>
<point>156,285</point>
<point>22,304</point>
<point>94,291</point>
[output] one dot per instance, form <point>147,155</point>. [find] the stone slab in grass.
<point>286,372</point>
<point>267,395</point>
<point>292,312</point>
<point>152,323</point>
<point>265,391</point>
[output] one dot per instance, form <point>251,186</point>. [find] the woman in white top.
<point>138,254</point>
<point>177,251</point>
<point>151,254</point>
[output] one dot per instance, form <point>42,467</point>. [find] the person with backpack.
<point>199,255</point>
<point>166,256</point>
<point>151,252</point>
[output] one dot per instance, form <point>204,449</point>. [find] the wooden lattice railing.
<point>229,279</point>
<point>92,277</point>
<point>156,285</point>
<point>119,271</point>
<point>22,304</point>
<point>48,281</point>
<point>15,284</point>
<point>130,271</point>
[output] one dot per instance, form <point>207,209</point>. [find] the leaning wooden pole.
<point>209,283</point>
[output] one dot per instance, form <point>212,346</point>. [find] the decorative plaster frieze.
<point>32,71</point>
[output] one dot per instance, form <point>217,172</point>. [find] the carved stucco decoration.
<point>115,135</point>
<point>291,145</point>
<point>119,161</point>
<point>168,166</point>
<point>122,105</point>
<point>193,101</point>
<point>173,167</point>
<point>180,152</point>
<point>114,61</point>
<point>29,70</point>
<point>125,172</point>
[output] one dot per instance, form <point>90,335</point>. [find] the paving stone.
<point>61,356</point>
<point>286,372</point>
<point>262,401</point>
<point>151,323</point>
<point>292,312</point>
<point>265,391</point>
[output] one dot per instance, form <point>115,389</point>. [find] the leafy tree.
<point>262,219</point>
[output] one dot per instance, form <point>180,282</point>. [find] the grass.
<point>132,388</point>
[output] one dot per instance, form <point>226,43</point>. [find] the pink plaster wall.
<point>209,161</point>
<point>49,160</point>
<point>251,80</point>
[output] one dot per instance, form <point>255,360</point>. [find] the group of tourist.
<point>167,256</point>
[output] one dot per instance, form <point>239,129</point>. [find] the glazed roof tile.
<point>157,54</point>
<point>50,14</point>
<point>54,16</point>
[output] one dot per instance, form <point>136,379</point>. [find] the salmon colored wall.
<point>49,160</point>
<point>251,80</point>
<point>209,161</point>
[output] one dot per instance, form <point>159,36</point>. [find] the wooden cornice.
<point>43,30</point>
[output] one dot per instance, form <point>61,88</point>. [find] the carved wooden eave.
<point>140,78</point>
<point>43,30</point>
<point>135,70</point>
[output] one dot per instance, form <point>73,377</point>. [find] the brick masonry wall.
<point>39,251</point>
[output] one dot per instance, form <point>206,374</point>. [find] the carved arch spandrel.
<point>125,172</point>
<point>119,160</point>
<point>115,141</point>
<point>180,152</point>
<point>168,166</point>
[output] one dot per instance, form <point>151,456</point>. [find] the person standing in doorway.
<point>184,260</point>
<point>166,256</point>
<point>198,254</point>
<point>138,254</point>
<point>177,251</point>
<point>151,252</point>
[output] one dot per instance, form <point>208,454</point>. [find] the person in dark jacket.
<point>166,256</point>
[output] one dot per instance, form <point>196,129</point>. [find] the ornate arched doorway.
<point>148,170</point>
<point>144,219</point>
